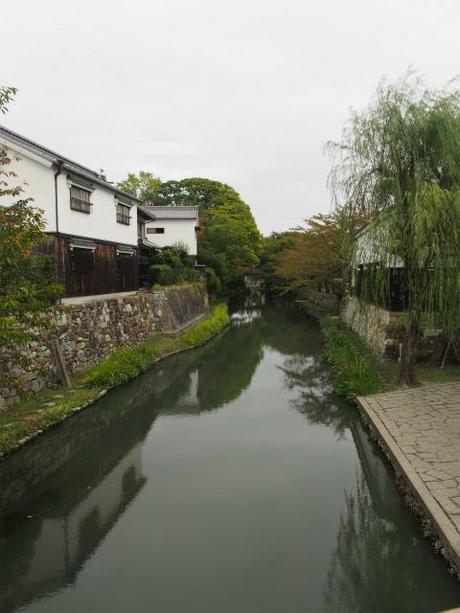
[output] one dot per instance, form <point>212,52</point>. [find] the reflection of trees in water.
<point>290,331</point>
<point>315,399</point>
<point>378,565</point>
<point>224,369</point>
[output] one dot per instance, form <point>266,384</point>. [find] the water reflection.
<point>63,496</point>
<point>60,496</point>
<point>377,566</point>
<point>314,397</point>
<point>379,545</point>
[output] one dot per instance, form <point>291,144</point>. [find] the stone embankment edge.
<point>27,439</point>
<point>436,523</point>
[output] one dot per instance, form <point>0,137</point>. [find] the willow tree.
<point>398,165</point>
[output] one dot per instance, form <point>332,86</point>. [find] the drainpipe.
<point>59,165</point>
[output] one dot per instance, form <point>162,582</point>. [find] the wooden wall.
<point>85,273</point>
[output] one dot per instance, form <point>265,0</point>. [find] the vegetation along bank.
<point>32,415</point>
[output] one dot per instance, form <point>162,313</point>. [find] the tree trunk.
<point>438,350</point>
<point>407,364</point>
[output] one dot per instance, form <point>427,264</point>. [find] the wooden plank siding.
<point>86,273</point>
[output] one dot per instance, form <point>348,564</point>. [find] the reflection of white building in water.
<point>189,399</point>
<point>66,541</point>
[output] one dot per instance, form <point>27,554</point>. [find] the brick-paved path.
<point>423,428</point>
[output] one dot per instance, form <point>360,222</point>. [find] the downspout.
<point>59,166</point>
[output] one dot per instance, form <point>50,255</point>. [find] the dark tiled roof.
<point>170,212</point>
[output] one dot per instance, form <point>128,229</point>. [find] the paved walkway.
<point>96,298</point>
<point>421,431</point>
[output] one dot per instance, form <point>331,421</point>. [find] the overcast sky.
<point>245,92</point>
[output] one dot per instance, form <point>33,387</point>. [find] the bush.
<point>353,367</point>
<point>172,265</point>
<point>163,274</point>
<point>213,283</point>
<point>125,364</point>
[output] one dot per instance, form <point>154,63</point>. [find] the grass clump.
<point>125,364</point>
<point>353,367</point>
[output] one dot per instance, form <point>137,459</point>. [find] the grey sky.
<point>245,92</point>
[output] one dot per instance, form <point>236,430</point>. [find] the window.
<point>155,230</point>
<point>83,260</point>
<point>123,214</point>
<point>80,199</point>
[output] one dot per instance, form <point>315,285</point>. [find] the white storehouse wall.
<point>175,231</point>
<point>36,175</point>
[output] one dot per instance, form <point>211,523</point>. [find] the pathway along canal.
<point>227,479</point>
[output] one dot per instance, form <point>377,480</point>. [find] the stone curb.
<point>444,528</point>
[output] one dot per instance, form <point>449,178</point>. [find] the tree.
<point>229,241</point>
<point>398,164</point>
<point>195,191</point>
<point>315,259</point>
<point>143,185</point>
<point>273,248</point>
<point>26,286</point>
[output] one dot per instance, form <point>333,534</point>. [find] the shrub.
<point>173,265</point>
<point>213,283</point>
<point>163,274</point>
<point>125,364</point>
<point>353,368</point>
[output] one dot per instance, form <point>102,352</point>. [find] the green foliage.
<point>124,364</point>
<point>196,191</point>
<point>399,167</point>
<point>173,265</point>
<point>213,283</point>
<point>7,94</point>
<point>273,249</point>
<point>229,241</point>
<point>143,185</point>
<point>353,368</point>
<point>164,274</point>
<point>27,286</point>
<point>207,328</point>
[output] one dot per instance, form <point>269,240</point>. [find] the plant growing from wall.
<point>398,165</point>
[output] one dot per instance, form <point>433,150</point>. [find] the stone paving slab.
<point>420,430</point>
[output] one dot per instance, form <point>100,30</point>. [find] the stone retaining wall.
<point>382,330</point>
<point>89,331</point>
<point>327,301</point>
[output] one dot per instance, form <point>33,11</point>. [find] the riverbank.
<point>419,430</point>
<point>356,371</point>
<point>33,415</point>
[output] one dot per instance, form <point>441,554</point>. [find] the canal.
<point>226,479</point>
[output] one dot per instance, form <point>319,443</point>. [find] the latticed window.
<point>80,199</point>
<point>123,215</point>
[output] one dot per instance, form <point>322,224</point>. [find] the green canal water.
<point>227,479</point>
